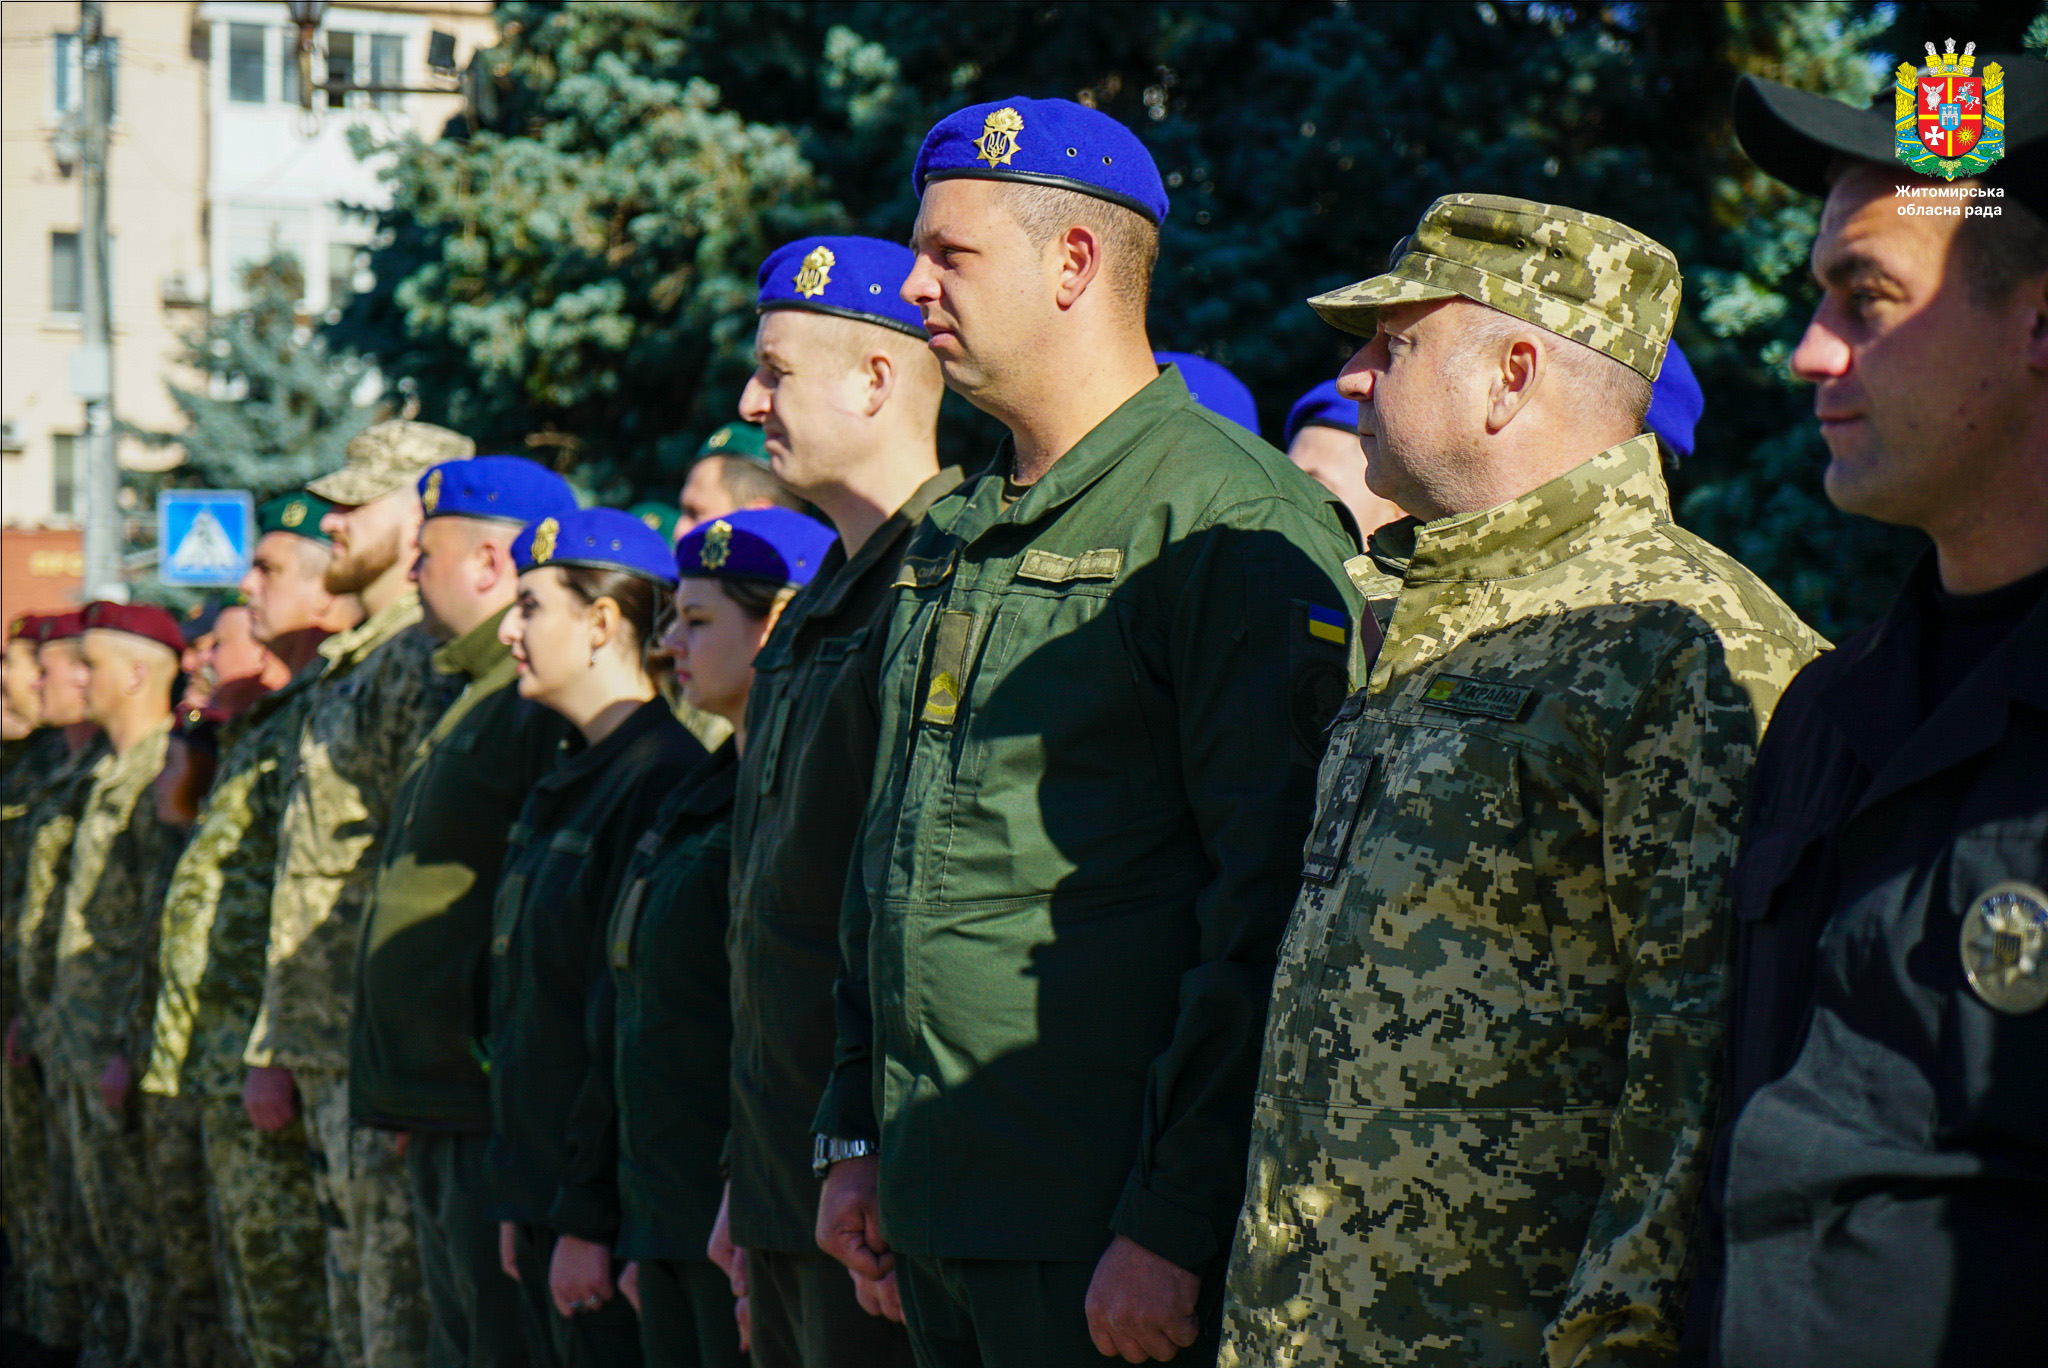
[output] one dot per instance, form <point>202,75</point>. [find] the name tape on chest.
<point>1479,697</point>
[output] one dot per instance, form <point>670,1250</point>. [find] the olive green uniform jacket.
<point>653,1137</point>
<point>216,918</point>
<point>377,698</point>
<point>1491,1065</point>
<point>812,718</point>
<point>423,967</point>
<point>52,826</point>
<point>550,977</point>
<point>1101,708</point>
<point>104,1001</point>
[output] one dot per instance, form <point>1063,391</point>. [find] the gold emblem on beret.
<point>294,513</point>
<point>544,540</point>
<point>431,495</point>
<point>999,136</point>
<point>816,273</point>
<point>719,438</point>
<point>717,545</point>
<point>2005,948</point>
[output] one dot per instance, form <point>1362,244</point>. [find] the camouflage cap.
<point>1578,275</point>
<point>388,457</point>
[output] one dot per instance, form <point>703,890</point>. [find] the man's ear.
<point>879,369</point>
<point>1519,371</point>
<point>493,563</point>
<point>1076,264</point>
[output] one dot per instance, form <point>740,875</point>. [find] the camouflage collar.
<point>1615,494</point>
<point>143,760</point>
<point>346,648</point>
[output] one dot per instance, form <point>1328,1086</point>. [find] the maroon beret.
<point>54,626</point>
<point>26,627</point>
<point>145,620</point>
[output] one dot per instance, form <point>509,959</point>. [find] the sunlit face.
<point>446,571</point>
<point>286,585</point>
<point>1416,405</point>
<point>236,653</point>
<point>986,294</point>
<point>704,495</point>
<point>807,389</point>
<point>1333,459</point>
<point>713,642</point>
<point>1920,390</point>
<point>369,539</point>
<point>110,667</point>
<point>21,683</point>
<point>61,682</point>
<point>548,629</point>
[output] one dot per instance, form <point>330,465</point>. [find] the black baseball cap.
<point>1795,135</point>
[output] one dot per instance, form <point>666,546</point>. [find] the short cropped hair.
<point>1998,254</point>
<point>1132,240</point>
<point>750,482</point>
<point>1610,393</point>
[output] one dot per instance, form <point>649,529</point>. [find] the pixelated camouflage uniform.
<point>270,1247</point>
<point>375,701</point>
<point>103,988</point>
<point>1490,1069</point>
<point>43,1291</point>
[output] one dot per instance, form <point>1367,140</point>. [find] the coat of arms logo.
<point>717,544</point>
<point>998,142</point>
<point>816,272</point>
<point>544,540</point>
<point>1950,123</point>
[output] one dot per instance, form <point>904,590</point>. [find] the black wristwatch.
<point>827,1151</point>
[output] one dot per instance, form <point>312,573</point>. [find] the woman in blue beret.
<point>593,590</point>
<point>672,1027</point>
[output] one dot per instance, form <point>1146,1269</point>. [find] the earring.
<point>593,657</point>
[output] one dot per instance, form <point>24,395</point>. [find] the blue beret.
<point>1214,387</point>
<point>507,488</point>
<point>850,277</point>
<point>772,544</point>
<point>1044,142</point>
<point>604,538</point>
<point>1324,407</point>
<point>1676,402</point>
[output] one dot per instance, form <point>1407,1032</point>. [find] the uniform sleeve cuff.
<point>847,1110</point>
<point>587,1213</point>
<point>1172,1232</point>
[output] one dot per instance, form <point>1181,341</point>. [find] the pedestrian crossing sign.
<point>204,536</point>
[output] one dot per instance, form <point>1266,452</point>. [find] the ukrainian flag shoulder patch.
<point>1327,624</point>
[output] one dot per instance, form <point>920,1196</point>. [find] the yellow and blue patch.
<point>1328,624</point>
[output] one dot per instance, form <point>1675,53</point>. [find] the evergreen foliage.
<point>277,406</point>
<point>577,273</point>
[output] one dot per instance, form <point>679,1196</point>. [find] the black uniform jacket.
<point>1880,1192</point>
<point>654,1135</point>
<point>563,863</point>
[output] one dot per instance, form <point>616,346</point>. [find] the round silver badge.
<point>2005,948</point>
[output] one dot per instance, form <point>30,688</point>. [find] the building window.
<point>67,282</point>
<point>288,65</point>
<point>341,66</point>
<point>387,53</point>
<point>63,473</point>
<point>245,64</point>
<point>341,273</point>
<point>67,78</point>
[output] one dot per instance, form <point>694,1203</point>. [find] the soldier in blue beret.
<point>593,584</point>
<point>730,471</point>
<point>1214,387</point>
<point>1096,753</point>
<point>411,1066</point>
<point>1676,403</point>
<point>846,391</point>
<point>1322,441</point>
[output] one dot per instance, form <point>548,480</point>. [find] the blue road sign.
<point>204,536</point>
